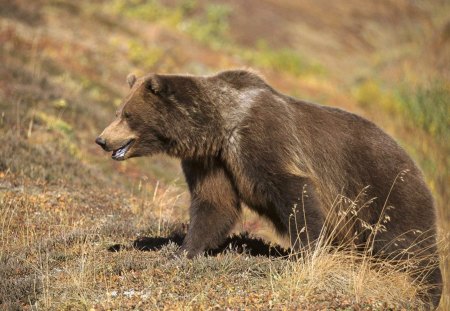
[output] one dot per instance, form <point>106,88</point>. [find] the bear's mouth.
<point>119,154</point>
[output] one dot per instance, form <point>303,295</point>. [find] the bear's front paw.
<point>183,252</point>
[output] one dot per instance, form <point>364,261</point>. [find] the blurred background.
<point>63,66</point>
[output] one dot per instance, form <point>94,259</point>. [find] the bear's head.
<point>161,114</point>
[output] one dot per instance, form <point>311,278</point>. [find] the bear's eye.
<point>126,115</point>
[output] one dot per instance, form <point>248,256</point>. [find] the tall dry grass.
<point>65,264</point>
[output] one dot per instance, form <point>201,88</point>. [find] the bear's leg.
<point>215,205</point>
<point>305,219</point>
<point>419,249</point>
<point>434,279</point>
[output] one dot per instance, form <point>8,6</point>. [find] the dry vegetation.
<point>63,203</point>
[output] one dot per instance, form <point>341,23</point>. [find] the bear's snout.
<point>101,142</point>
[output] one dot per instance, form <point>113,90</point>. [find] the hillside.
<point>63,202</point>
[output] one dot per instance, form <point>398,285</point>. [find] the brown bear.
<point>242,142</point>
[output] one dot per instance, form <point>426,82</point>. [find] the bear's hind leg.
<point>215,206</point>
<point>305,219</point>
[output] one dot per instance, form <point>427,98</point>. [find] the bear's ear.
<point>153,83</point>
<point>131,80</point>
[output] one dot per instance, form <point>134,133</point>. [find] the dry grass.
<point>63,204</point>
<point>53,260</point>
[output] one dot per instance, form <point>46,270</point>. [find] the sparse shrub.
<point>47,162</point>
<point>429,108</point>
<point>150,10</point>
<point>145,56</point>
<point>188,6</point>
<point>60,103</point>
<point>212,27</point>
<point>62,128</point>
<point>20,285</point>
<point>285,59</point>
<point>54,124</point>
<point>370,94</point>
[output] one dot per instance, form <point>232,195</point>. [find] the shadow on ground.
<point>240,244</point>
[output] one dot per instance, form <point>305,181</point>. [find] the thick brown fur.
<point>242,142</point>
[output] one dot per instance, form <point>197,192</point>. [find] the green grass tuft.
<point>429,108</point>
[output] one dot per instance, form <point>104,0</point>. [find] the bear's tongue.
<point>119,154</point>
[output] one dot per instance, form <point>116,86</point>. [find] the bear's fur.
<point>293,162</point>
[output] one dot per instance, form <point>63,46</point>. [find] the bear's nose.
<point>101,142</point>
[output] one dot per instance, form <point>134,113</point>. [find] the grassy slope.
<point>63,203</point>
